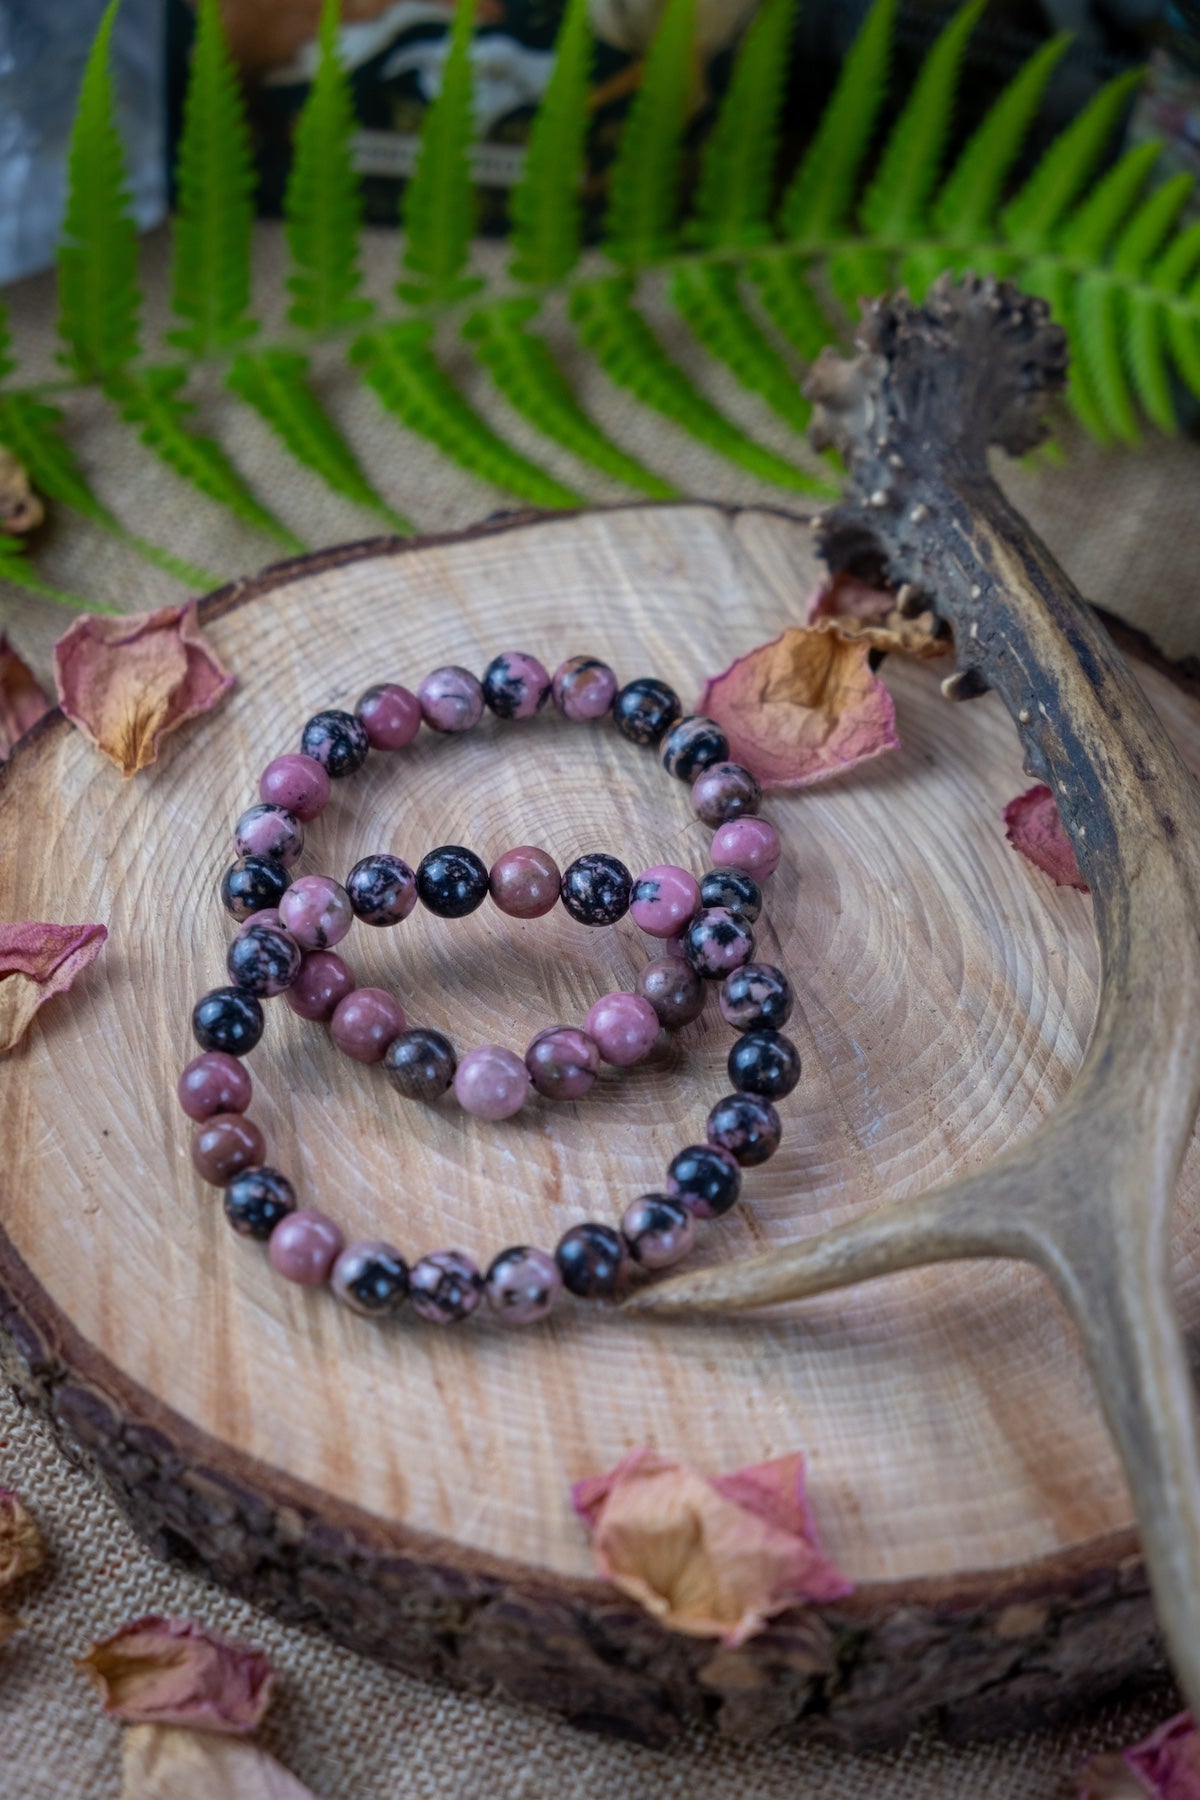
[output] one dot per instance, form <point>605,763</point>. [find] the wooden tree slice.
<point>407,1488</point>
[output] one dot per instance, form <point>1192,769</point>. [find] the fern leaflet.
<point>15,567</point>
<point>818,200</point>
<point>967,202</point>
<point>1029,220</point>
<point>547,210</point>
<point>706,295</point>
<point>1086,235</point>
<point>1150,225</point>
<point>1098,343</point>
<point>789,302</point>
<point>1145,346</point>
<point>734,195</point>
<point>643,198</point>
<point>1177,261</point>
<point>322,203</point>
<point>1052,280</point>
<point>856,271</point>
<point>439,201</point>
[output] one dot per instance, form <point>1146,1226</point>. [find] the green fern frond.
<point>16,568</point>
<point>322,203</point>
<point>1149,367</point>
<point>706,297</point>
<point>1030,220</point>
<point>1086,235</point>
<point>966,205</point>
<point>1148,229</point>
<point>1053,281</point>
<point>733,198</point>
<point>787,298</point>
<point>641,222</point>
<point>855,271</point>
<point>1098,343</point>
<point>439,203</point>
<point>1177,262</point>
<point>818,201</point>
<point>547,206</point>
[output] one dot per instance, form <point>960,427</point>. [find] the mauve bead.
<point>522,1285</point>
<point>706,1179</point>
<point>659,1231</point>
<point>224,1144</point>
<point>252,884</point>
<point>214,1083</point>
<point>390,715</point>
<point>763,1062</point>
<point>317,912</point>
<point>624,1026</point>
<point>733,889</point>
<point>227,1019</point>
<point>563,1062</point>
<point>693,744</point>
<point>304,1247</point>
<point>365,1022</point>
<point>756,995</point>
<point>525,882</point>
<point>491,1083</point>
<point>584,688</point>
<point>320,987</point>
<point>263,959</point>
<point>515,685</point>
<point>337,740</point>
<point>370,1278</point>
<point>381,889</point>
<point>591,1260</point>
<point>269,830</point>
<point>451,881</point>
<point>298,783</point>
<point>445,1286</point>
<point>420,1063</point>
<point>724,791</point>
<point>645,709</point>
<point>674,990</point>
<point>451,699</point>
<point>745,1125</point>
<point>664,898</point>
<point>256,1200</point>
<point>596,888</point>
<point>270,915</point>
<point>749,844</point>
<point>718,942</point>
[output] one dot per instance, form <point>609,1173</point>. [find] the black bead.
<point>227,1019</point>
<point>590,1260</point>
<point>733,889</point>
<point>757,994</point>
<point>717,941</point>
<point>382,890</point>
<point>420,1063</point>
<point>377,1283</point>
<point>452,881</point>
<point>645,709</point>
<point>257,1199</point>
<point>596,889</point>
<point>263,960</point>
<point>337,740</point>
<point>693,744</point>
<point>763,1062</point>
<point>253,884</point>
<point>505,689</point>
<point>745,1125</point>
<point>708,1181</point>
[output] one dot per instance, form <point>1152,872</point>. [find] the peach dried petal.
<point>38,961</point>
<point>179,1672</point>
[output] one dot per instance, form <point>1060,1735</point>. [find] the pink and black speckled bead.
<point>692,745</point>
<point>370,1278</point>
<point>323,982</point>
<point>420,1063</point>
<point>214,1082</point>
<point>659,1230</point>
<point>515,685</point>
<point>256,1200</point>
<point>584,689</point>
<point>764,1062</point>
<point>522,1285</point>
<point>451,881</point>
<point>563,1062</point>
<point>674,990</point>
<point>317,912</point>
<point>263,959</point>
<point>382,890</point>
<point>253,884</point>
<point>451,699</point>
<point>745,1125</point>
<point>733,889</point>
<point>525,882</point>
<point>757,996</point>
<point>592,1261</point>
<point>445,1287</point>
<point>268,830</point>
<point>298,784</point>
<point>663,900</point>
<point>227,1019</point>
<point>749,844</point>
<point>391,716</point>
<point>717,942</point>
<point>365,1022</point>
<point>304,1247</point>
<point>337,740</point>
<point>725,791</point>
<point>595,889</point>
<point>645,710</point>
<point>706,1179</point>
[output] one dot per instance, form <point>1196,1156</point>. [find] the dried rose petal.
<point>710,1558</point>
<point>802,708</point>
<point>869,615</point>
<point>21,1547</point>
<point>163,1762</point>
<point>36,962</point>
<point>22,702</point>
<point>1035,829</point>
<point>845,597</point>
<point>178,1672</point>
<point>1164,1766</point>
<point>128,681</point>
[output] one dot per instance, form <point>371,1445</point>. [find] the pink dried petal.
<point>178,1672</point>
<point>161,1762</point>
<point>1164,1766</point>
<point>1035,829</point>
<point>845,597</point>
<point>22,702</point>
<point>38,961</point>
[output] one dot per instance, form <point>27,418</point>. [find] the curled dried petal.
<point>21,1548</point>
<point>870,615</point>
<point>178,1672</point>
<point>22,702</point>
<point>1164,1766</point>
<point>163,1762</point>
<point>38,961</point>
<point>1034,828</point>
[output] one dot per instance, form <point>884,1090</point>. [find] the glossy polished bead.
<point>596,888</point>
<point>733,889</point>
<point>645,710</point>
<point>659,1230</point>
<point>674,990</point>
<point>227,1019</point>
<point>515,685</point>
<point>563,1062</point>
<point>256,1200</point>
<point>745,1125</point>
<point>297,783</point>
<point>304,1247</point>
<point>624,1026</point>
<point>224,1144</point>
<point>717,942</point>
<point>491,1083</point>
<point>663,899</point>
<point>725,791</point>
<point>214,1083</point>
<point>323,982</point>
<point>584,688</point>
<point>365,1022</point>
<point>525,882</point>
<point>451,699</point>
<point>591,1260</point>
<point>271,831</point>
<point>338,741</point>
<point>522,1285</point>
<point>252,884</point>
<point>763,1062</point>
<point>270,915</point>
<point>749,844</point>
<point>445,1287</point>
<point>758,994</point>
<point>706,1179</point>
<point>420,1063</point>
<point>693,744</point>
<point>263,959</point>
<point>382,890</point>
<point>370,1278</point>
<point>317,911</point>
<point>391,716</point>
<point>451,881</point>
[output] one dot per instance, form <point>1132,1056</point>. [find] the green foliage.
<point>817,202</point>
<point>547,211</point>
<point>439,202</point>
<point>643,200</point>
<point>15,567</point>
<point>322,204</point>
<point>1029,220</point>
<point>733,200</point>
<point>706,297</point>
<point>972,190</point>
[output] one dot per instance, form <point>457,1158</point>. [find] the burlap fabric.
<point>1127,527</point>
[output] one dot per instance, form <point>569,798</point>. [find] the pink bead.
<point>271,831</point>
<point>664,899</point>
<point>317,912</point>
<point>391,714</point>
<point>563,1062</point>
<point>304,1247</point>
<point>451,699</point>
<point>522,1285</point>
<point>525,882</point>
<point>297,782</point>
<point>491,1083</point>
<point>515,685</point>
<point>584,688</point>
<point>214,1083</point>
<point>320,987</point>
<point>270,915</point>
<point>624,1026</point>
<point>365,1022</point>
<point>659,1230</point>
<point>749,844</point>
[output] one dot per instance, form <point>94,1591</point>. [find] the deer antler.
<point>1087,1196</point>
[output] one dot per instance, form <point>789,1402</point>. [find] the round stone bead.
<point>522,1285</point>
<point>304,1247</point>
<point>591,1261</point>
<point>596,888</point>
<point>445,1287</point>
<point>256,1200</point>
<point>253,884</point>
<point>749,844</point>
<point>706,1179</point>
<point>515,685</point>
<point>270,915</point>
<point>214,1083</point>
<point>491,1083</point>
<point>268,830</point>
<point>451,699</point>
<point>370,1278</point>
<point>645,710</point>
<point>563,1062</point>
<point>659,1231</point>
<point>757,994</point>
<point>227,1019</point>
<point>317,911</point>
<point>663,899</point>
<point>263,959</point>
<point>763,1062</point>
<point>451,881</point>
<point>584,688</point>
<point>391,716</point>
<point>674,990</point>
<point>693,744</point>
<point>624,1026</point>
<point>420,1063</point>
<point>725,791</point>
<point>319,988</point>
<point>733,889</point>
<point>365,1022</point>
<point>747,1126</point>
<point>525,882</point>
<point>382,890</point>
<point>338,741</point>
<point>298,784</point>
<point>717,942</point>
<point>224,1144</point>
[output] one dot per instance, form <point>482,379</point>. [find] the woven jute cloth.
<point>1127,526</point>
